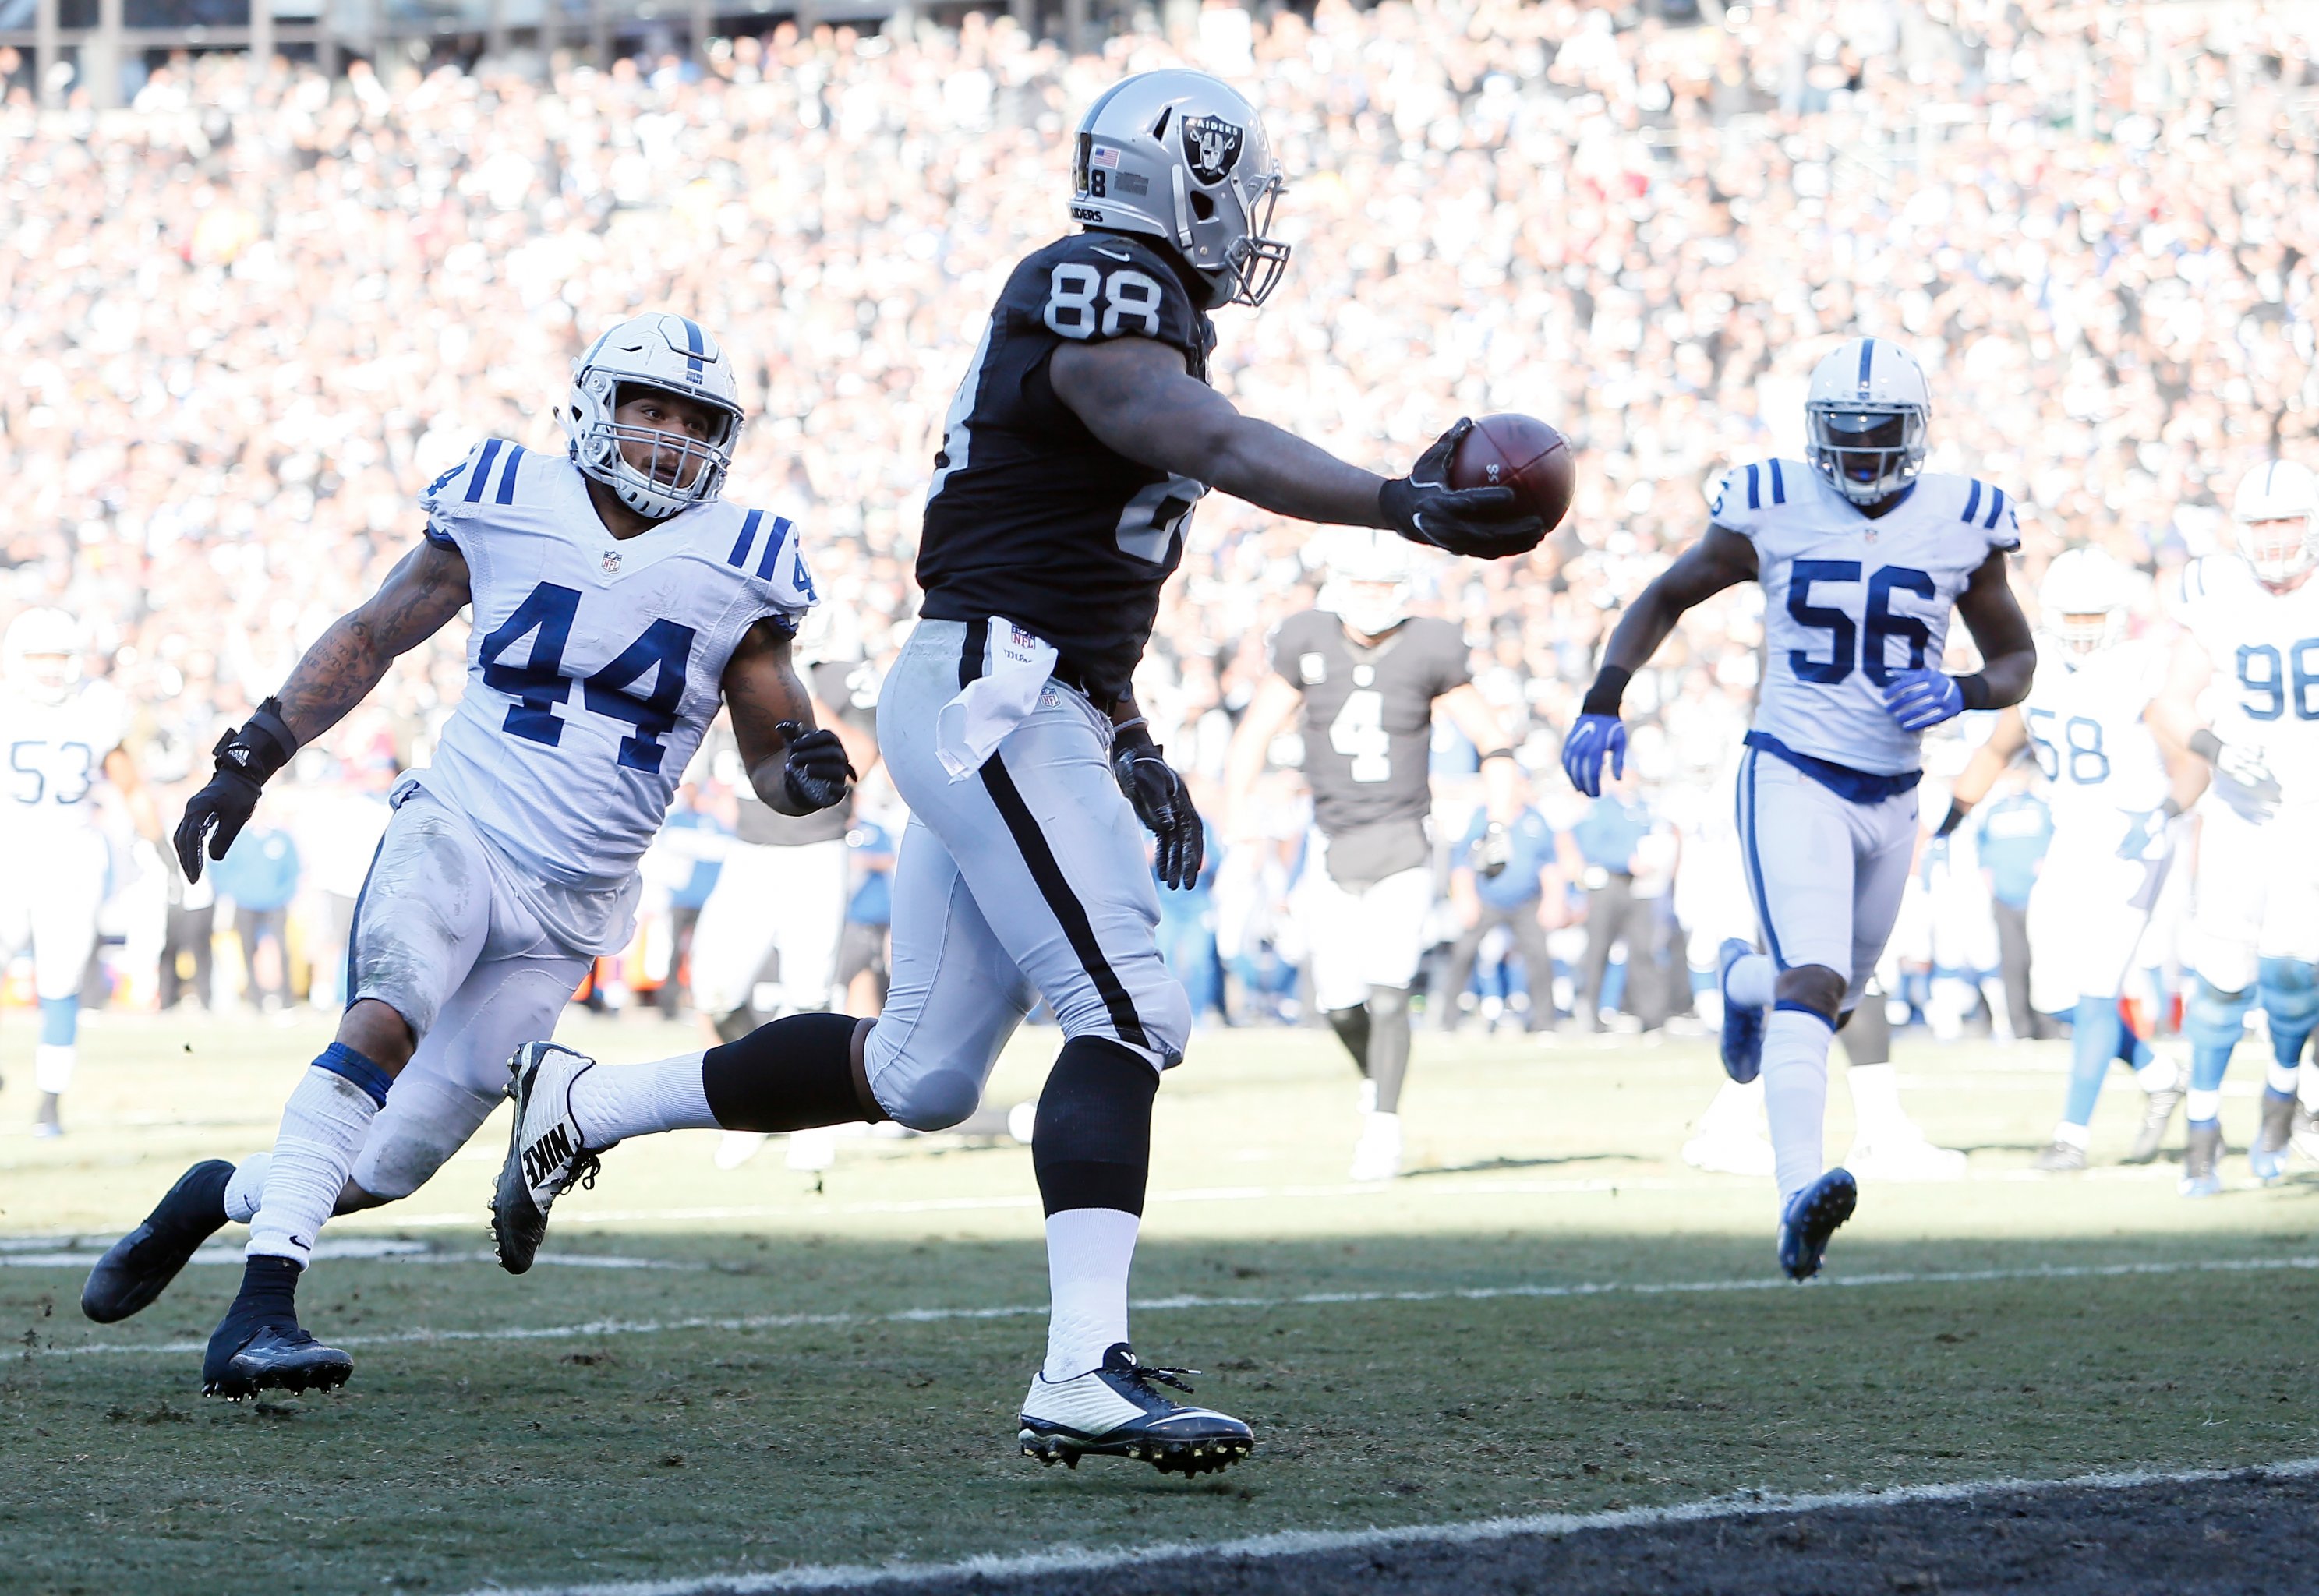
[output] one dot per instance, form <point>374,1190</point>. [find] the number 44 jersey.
<point>595,664</point>
<point>1031,515</point>
<point>1849,599</point>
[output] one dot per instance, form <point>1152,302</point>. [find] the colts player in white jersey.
<point>1862,560</point>
<point>2243,693</point>
<point>62,735</point>
<point>2114,802</point>
<point>618,601</point>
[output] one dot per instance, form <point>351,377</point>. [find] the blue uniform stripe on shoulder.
<point>774,541</point>
<point>1779,485</point>
<point>1996,508</point>
<point>482,475</point>
<point>1755,487</point>
<point>506,477</point>
<point>1972,502</point>
<point>739,557</point>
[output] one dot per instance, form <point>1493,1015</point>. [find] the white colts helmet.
<point>673,355</point>
<point>1180,157</point>
<point>2274,510</point>
<point>2085,599</point>
<point>1369,583</point>
<point>42,655</point>
<point>1865,417</point>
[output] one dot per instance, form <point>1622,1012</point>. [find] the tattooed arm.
<point>767,702</point>
<point>417,598</point>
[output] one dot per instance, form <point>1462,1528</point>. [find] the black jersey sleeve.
<point>1449,661</point>
<point>1094,287</point>
<point>1292,640</point>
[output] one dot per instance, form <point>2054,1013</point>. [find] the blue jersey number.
<point>2267,682</point>
<point>69,789</point>
<point>1845,642</point>
<point>2079,753</point>
<point>540,685</point>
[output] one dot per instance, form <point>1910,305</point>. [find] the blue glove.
<point>1595,737</point>
<point>1918,700</point>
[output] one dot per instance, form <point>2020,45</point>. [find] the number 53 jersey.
<point>595,664</point>
<point>1848,600</point>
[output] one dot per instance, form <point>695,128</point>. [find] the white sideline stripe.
<point>1318,1299</point>
<point>1292,1543</point>
<point>369,1250</point>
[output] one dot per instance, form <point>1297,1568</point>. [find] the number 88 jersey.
<point>1031,517</point>
<point>2101,764</point>
<point>2264,647</point>
<point>1849,599</point>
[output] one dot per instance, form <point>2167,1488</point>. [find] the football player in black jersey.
<point>1081,437</point>
<point>1369,676</point>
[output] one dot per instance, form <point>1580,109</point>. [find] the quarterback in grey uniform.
<point>618,601</point>
<point>1369,676</point>
<point>1082,436</point>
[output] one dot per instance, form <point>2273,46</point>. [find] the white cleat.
<point>545,1152</point>
<point>1377,1155</point>
<point>737,1148</point>
<point>1117,1410</point>
<point>1369,1096</point>
<point>1730,1152</point>
<point>812,1151</point>
<point>1906,1157</point>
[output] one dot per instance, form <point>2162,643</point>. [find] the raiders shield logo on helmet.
<point>1211,146</point>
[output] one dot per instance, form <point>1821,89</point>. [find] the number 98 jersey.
<point>2101,764</point>
<point>594,663</point>
<point>1030,516</point>
<point>1848,600</point>
<point>2264,647</point>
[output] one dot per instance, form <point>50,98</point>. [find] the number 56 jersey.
<point>595,664</point>
<point>1848,600</point>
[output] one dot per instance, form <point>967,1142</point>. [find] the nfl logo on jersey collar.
<point>611,562</point>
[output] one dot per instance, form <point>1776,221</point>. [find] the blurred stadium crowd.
<point>249,319</point>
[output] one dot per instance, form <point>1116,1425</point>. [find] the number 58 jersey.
<point>595,664</point>
<point>2084,714</point>
<point>1848,600</point>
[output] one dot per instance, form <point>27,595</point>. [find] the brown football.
<point>1521,453</point>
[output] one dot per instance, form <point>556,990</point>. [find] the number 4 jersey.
<point>1848,600</point>
<point>1030,515</point>
<point>595,664</point>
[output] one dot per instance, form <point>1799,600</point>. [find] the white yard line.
<point>1296,1543</point>
<point>1477,1293</point>
<point>373,1250</point>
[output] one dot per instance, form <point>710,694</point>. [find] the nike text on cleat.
<point>2202,1161</point>
<point>2156,1112</point>
<point>137,1269</point>
<point>1118,1410</point>
<point>2267,1159</point>
<point>246,1358</point>
<point>546,1153</point>
<point>1811,1219</point>
<point>2061,1157</point>
<point>1742,1043</point>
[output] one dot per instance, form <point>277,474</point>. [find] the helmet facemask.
<point>655,471</point>
<point>1868,451</point>
<point>2278,548</point>
<point>2090,632</point>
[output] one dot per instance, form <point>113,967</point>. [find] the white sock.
<point>2309,1091</point>
<point>2202,1105</point>
<point>52,1067</point>
<point>2081,1137</point>
<point>1736,1110</point>
<point>323,1126</point>
<point>2281,1079</point>
<point>1089,1251</point>
<point>2161,1074</point>
<point>1749,984</point>
<point>245,1189</point>
<point>1876,1112</point>
<point>1795,1094</point>
<point>613,1102</point>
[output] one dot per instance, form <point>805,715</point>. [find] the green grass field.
<point>763,1369</point>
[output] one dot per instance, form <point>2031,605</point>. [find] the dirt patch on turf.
<point>2249,1535</point>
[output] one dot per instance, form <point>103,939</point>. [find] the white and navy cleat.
<point>1118,1410</point>
<point>1812,1217</point>
<point>1742,1041</point>
<point>1376,1156</point>
<point>545,1152</point>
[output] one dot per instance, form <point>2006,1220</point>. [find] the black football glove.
<point>245,758</point>
<point>817,772</point>
<point>1485,523</point>
<point>1162,803</point>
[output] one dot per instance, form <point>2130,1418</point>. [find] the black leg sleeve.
<point>794,1074</point>
<point>1091,1144</point>
<point>1388,1010</point>
<point>1867,1032</point>
<point>1352,1028</point>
